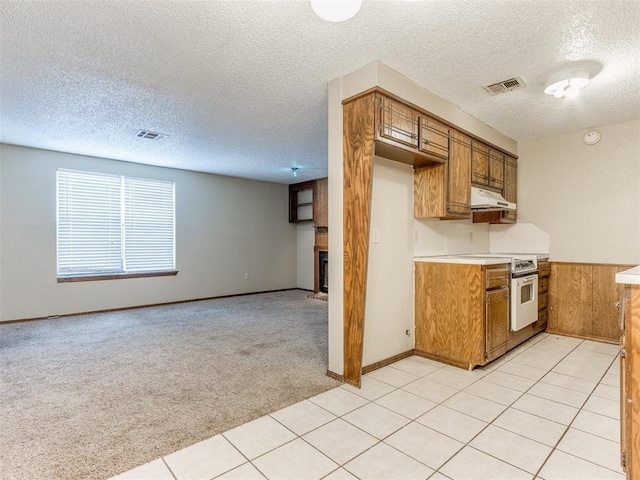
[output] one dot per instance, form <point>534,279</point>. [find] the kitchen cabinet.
<point>406,135</point>
<point>582,300</point>
<point>496,169</point>
<point>509,170</point>
<point>630,382</point>
<point>479,164</point>
<point>461,312</point>
<point>301,202</point>
<point>444,191</point>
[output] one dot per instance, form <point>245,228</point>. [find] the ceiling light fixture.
<point>566,83</point>
<point>336,10</point>
<point>294,171</point>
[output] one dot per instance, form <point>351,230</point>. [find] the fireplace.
<point>323,271</point>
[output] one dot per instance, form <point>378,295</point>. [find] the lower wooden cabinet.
<point>462,312</point>
<point>630,383</point>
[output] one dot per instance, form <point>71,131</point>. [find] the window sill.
<point>116,276</point>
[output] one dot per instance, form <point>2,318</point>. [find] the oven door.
<point>524,301</point>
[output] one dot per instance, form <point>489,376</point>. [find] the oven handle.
<point>529,279</point>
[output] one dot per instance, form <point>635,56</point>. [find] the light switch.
<point>375,235</point>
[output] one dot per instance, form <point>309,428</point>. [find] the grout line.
<point>168,468</point>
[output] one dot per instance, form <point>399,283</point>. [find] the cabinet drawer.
<point>434,137</point>
<point>543,285</point>
<point>544,269</point>
<point>543,300</point>
<point>496,278</point>
<point>543,317</point>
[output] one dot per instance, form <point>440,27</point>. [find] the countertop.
<point>631,276</point>
<point>469,260</point>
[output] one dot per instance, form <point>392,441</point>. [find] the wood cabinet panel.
<point>496,169</point>
<point>358,149</point>
<point>630,384</point>
<point>398,122</point>
<point>496,278</point>
<point>429,192</point>
<point>510,192</point>
<point>434,137</point>
<point>497,322</point>
<point>321,203</point>
<point>583,299</point>
<point>450,325</point>
<point>479,164</point>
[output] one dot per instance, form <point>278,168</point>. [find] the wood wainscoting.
<point>584,300</point>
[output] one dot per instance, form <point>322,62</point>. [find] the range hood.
<point>487,201</point>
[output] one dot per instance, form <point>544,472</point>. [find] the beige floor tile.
<point>376,420</point>
<point>243,472</point>
<point>592,448</point>
<point>383,462</point>
<point>204,460</point>
<point>571,383</point>
<point>452,423</point>
<point>340,474</point>
<point>525,371</point>
<point>584,373</point>
<point>508,380</point>
<point>458,379</point>
<point>156,470</point>
<point>415,367</point>
<point>295,460</point>
<point>602,406</point>
<point>611,380</point>
<point>607,391</point>
<point>339,401</point>
<point>531,426</point>
<point>303,417</point>
<point>340,441</point>
<point>406,404</point>
<point>370,388</point>
<point>600,425</point>
<point>433,391</point>
<point>392,376</point>
<point>425,445</point>
<point>471,464</point>
<point>562,466</point>
<point>512,448</point>
<point>476,407</point>
<point>600,347</point>
<point>554,411</point>
<point>558,394</point>
<point>259,436</point>
<point>491,391</point>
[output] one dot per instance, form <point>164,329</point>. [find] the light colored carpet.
<point>95,395</point>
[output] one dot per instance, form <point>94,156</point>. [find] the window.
<point>114,225</point>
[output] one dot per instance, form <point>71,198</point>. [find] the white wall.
<point>587,197</point>
<point>389,302</point>
<point>306,238</point>
<point>449,237</point>
<point>225,227</point>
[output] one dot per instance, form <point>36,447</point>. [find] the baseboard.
<point>386,361</point>
<point>135,307</point>
<point>584,337</point>
<point>335,376</point>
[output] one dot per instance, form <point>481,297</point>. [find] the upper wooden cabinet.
<point>406,135</point>
<point>444,191</point>
<point>308,202</point>
<point>496,169</point>
<point>509,192</point>
<point>479,163</point>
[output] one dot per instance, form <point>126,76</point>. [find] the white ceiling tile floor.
<point>418,419</point>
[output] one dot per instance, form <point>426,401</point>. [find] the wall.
<point>369,76</point>
<point>389,302</point>
<point>449,237</point>
<point>225,227</point>
<point>306,237</point>
<point>587,197</point>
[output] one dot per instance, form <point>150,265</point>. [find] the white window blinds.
<point>113,224</point>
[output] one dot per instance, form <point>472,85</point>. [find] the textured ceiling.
<point>240,87</point>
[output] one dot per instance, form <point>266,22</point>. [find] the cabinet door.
<point>510,187</point>
<point>459,176</point>
<point>496,169</point>
<point>398,122</point>
<point>497,322</point>
<point>479,164</point>
<point>434,137</point>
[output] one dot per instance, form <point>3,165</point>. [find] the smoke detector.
<point>504,86</point>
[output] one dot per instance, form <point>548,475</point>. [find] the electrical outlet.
<point>246,276</point>
<point>375,235</point>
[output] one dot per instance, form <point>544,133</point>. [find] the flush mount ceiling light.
<point>566,83</point>
<point>336,10</point>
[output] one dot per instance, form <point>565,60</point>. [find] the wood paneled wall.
<point>358,148</point>
<point>583,300</point>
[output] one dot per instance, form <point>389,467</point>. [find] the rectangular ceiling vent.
<point>504,86</point>
<point>149,135</point>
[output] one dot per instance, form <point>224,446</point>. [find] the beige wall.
<point>586,197</point>
<point>225,227</point>
<point>306,238</point>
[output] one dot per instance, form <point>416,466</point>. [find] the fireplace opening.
<point>323,273</point>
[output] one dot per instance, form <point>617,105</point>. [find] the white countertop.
<point>631,276</point>
<point>463,259</point>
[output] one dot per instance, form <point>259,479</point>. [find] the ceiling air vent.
<point>149,135</point>
<point>504,86</point>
